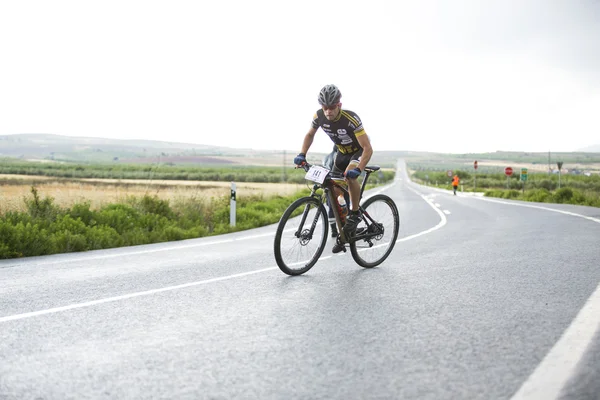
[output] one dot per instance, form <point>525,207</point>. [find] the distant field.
<point>496,162</point>
<point>501,164</point>
<point>99,192</point>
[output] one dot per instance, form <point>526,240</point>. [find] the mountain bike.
<point>303,228</point>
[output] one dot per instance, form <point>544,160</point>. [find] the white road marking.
<point>540,208</point>
<point>447,212</point>
<point>437,205</point>
<point>555,370</point>
<point>442,222</point>
<point>148,251</point>
<point>128,296</point>
<point>190,284</point>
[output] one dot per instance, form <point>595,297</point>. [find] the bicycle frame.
<point>329,191</point>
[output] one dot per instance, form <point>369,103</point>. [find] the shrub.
<point>103,237</point>
<point>546,184</point>
<point>511,194</point>
<point>563,195</point>
<point>537,195</point>
<point>68,242</point>
<point>154,205</point>
<point>40,208</point>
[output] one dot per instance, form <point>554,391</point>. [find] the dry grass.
<point>99,192</point>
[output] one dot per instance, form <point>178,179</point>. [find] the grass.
<point>67,192</point>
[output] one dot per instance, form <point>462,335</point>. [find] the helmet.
<point>329,95</point>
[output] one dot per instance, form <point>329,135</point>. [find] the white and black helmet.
<point>329,95</point>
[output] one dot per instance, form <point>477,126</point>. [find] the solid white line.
<point>190,284</point>
<point>555,370</point>
<point>127,296</point>
<point>443,219</point>
<point>539,208</point>
<point>148,251</point>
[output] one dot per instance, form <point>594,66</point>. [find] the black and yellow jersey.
<point>343,131</point>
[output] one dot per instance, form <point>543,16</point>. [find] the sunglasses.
<point>331,107</point>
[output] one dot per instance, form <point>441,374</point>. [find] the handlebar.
<point>306,166</point>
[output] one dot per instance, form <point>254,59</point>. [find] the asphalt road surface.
<point>480,299</point>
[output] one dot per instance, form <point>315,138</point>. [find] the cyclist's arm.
<point>365,143</point>
<point>308,139</point>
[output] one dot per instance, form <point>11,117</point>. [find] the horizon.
<point>312,151</point>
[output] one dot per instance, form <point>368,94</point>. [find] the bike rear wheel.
<point>301,236</point>
<point>382,233</point>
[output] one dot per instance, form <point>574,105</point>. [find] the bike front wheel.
<point>379,227</point>
<point>301,236</point>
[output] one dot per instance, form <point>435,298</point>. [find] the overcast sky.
<point>439,75</point>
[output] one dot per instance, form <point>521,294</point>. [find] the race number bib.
<point>317,174</point>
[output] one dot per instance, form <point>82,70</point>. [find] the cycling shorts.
<point>343,160</point>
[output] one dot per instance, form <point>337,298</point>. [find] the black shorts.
<point>343,160</point>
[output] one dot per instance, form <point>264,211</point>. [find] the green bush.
<point>563,195</point>
<point>511,194</point>
<point>537,195</point>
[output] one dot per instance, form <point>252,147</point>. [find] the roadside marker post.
<point>475,179</point>
<point>232,203</point>
<point>559,164</point>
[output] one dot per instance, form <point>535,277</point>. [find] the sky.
<point>452,76</point>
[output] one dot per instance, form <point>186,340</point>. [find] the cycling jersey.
<point>343,131</point>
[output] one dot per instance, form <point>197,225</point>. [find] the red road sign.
<point>475,164</point>
<point>508,171</point>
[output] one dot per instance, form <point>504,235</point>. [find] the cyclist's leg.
<point>348,162</point>
<point>340,166</point>
<point>332,223</point>
<point>353,184</point>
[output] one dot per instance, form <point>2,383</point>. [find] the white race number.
<point>316,173</point>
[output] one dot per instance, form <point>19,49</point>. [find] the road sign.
<point>508,171</point>
<point>559,165</point>
<point>523,174</point>
<point>475,164</point>
<point>449,173</point>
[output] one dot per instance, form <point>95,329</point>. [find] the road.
<point>480,299</point>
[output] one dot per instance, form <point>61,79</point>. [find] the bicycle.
<point>302,232</point>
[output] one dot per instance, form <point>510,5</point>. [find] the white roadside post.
<point>559,164</point>
<point>232,205</point>
<point>475,180</point>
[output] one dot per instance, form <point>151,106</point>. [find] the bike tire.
<point>303,251</point>
<point>383,210</point>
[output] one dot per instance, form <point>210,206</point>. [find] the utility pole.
<point>549,168</point>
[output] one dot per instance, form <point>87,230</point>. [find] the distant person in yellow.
<point>455,181</point>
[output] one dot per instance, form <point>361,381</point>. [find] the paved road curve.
<point>479,300</point>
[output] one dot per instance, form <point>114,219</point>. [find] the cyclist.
<point>345,129</point>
